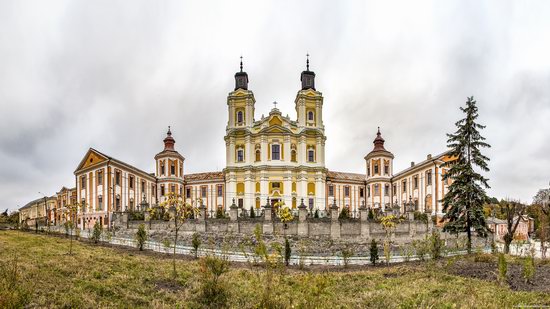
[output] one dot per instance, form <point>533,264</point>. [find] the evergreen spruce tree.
<point>463,204</point>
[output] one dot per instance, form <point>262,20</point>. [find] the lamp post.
<point>46,209</point>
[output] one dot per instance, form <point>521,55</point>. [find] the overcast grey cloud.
<point>114,74</point>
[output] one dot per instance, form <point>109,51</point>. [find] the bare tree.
<point>513,213</point>
<point>542,202</point>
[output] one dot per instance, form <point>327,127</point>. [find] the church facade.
<point>273,159</point>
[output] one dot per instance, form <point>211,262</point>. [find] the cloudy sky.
<point>114,74</point>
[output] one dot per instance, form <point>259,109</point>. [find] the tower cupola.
<point>241,78</point>
<point>307,77</point>
<point>169,141</point>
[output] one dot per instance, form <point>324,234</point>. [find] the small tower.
<point>307,77</point>
<point>241,78</point>
<point>309,101</point>
<point>379,163</point>
<point>169,169</point>
<point>240,102</point>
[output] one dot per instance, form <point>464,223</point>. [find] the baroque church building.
<point>268,160</point>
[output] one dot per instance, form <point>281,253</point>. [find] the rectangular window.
<point>161,190</point>
<point>142,186</point>
<point>429,177</point>
<point>386,169</point>
<point>220,190</point>
<point>203,191</point>
<point>100,177</point>
<point>310,203</point>
<point>173,189</point>
<point>117,203</point>
<point>131,184</point>
<point>83,182</point>
<point>376,189</point>
<point>100,203</point>
<point>162,168</point>
<point>311,155</point>
<point>276,152</point>
<point>188,192</point>
<point>173,169</point>
<point>361,192</point>
<point>331,190</point>
<point>241,203</point>
<point>387,190</point>
<point>376,169</point>
<point>153,189</point>
<point>415,182</point>
<point>131,205</point>
<point>240,155</point>
<point>117,178</point>
<point>394,189</point>
<point>368,191</point>
<point>346,191</point>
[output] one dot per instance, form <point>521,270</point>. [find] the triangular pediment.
<point>275,129</point>
<point>275,121</point>
<point>91,158</point>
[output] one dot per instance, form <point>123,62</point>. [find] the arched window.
<point>310,116</point>
<point>240,117</point>
<point>258,155</point>
<point>293,156</point>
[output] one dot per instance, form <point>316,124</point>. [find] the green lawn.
<point>96,276</point>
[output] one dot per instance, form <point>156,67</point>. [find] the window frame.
<point>278,152</point>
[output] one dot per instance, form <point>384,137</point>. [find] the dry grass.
<point>96,276</point>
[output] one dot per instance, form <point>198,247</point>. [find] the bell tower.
<point>379,163</point>
<point>240,102</point>
<point>309,101</point>
<point>169,166</point>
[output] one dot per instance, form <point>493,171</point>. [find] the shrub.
<point>220,214</point>
<point>502,268</point>
<point>96,234</point>
<point>387,251</point>
<point>141,236</point>
<point>12,293</point>
<point>370,215</point>
<point>528,269</point>
<point>419,216</point>
<point>407,251</point>
<point>344,213</point>
<point>436,243</point>
<point>373,251</point>
<point>421,248</point>
<point>196,242</point>
<point>288,251</point>
<point>213,292</point>
<point>316,214</point>
<point>347,252</point>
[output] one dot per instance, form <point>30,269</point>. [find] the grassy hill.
<point>37,271</point>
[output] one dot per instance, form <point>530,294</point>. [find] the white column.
<point>264,188</point>
<point>248,191</point>
<point>264,149</point>
<point>320,192</point>
<point>302,155</point>
<point>287,188</point>
<point>231,189</point>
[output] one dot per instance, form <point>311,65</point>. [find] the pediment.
<point>91,158</point>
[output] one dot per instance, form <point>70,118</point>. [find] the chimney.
<point>429,157</point>
<point>412,164</point>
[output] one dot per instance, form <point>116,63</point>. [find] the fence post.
<point>268,223</point>
<point>334,222</point>
<point>201,220</point>
<point>233,218</point>
<point>302,217</point>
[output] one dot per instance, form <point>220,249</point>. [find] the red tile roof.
<point>341,176</point>
<point>204,176</point>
